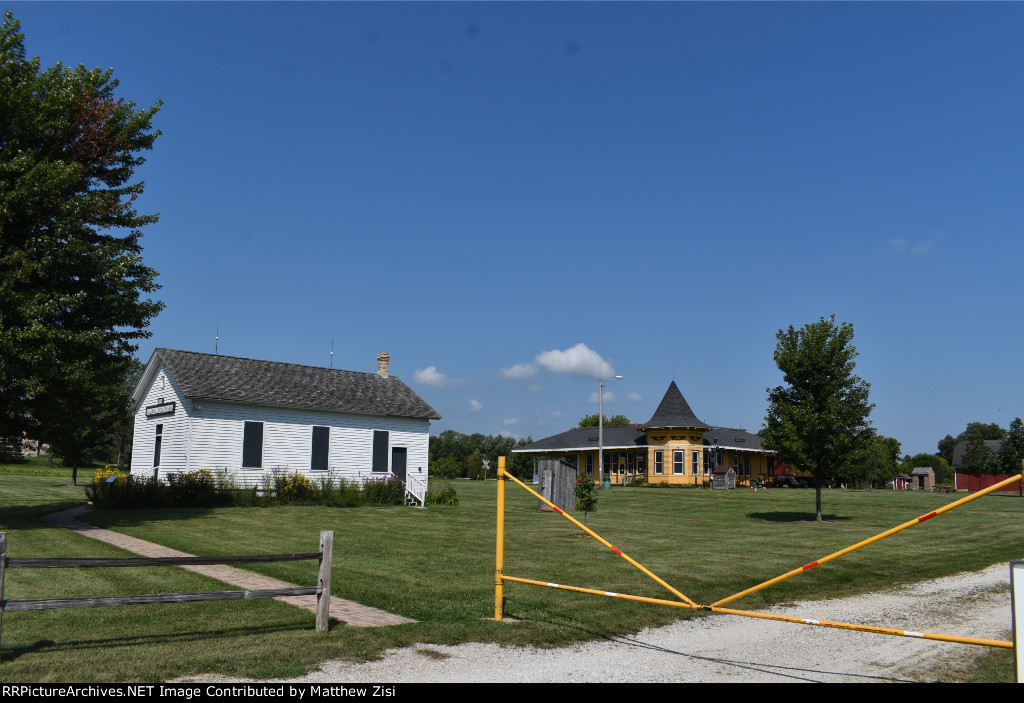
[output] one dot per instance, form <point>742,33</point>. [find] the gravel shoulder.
<point>725,648</point>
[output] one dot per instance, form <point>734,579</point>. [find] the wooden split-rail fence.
<point>322,589</point>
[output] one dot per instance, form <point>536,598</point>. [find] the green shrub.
<point>294,489</point>
<point>195,489</point>
<point>586,496</point>
<point>384,491</point>
<point>448,467</point>
<point>334,492</point>
<point>446,495</point>
<point>207,488</point>
<point>640,482</point>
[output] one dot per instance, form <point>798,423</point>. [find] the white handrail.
<point>417,486</point>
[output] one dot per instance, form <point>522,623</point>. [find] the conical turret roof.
<point>674,411</point>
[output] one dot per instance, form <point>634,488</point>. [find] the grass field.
<point>437,566</point>
<point>40,466</point>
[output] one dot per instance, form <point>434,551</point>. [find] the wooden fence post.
<point>323,580</point>
<point>3,563</point>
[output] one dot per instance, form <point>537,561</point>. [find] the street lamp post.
<point>600,430</point>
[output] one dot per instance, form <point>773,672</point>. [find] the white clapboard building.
<point>253,417</point>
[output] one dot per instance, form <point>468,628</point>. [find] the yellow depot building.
<point>672,447</point>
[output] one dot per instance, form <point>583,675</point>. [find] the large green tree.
<point>73,287</point>
<point>978,459</point>
<point>817,420</point>
<point>938,464</point>
<point>1011,452</point>
<point>974,430</point>
<point>613,421</point>
<point>457,451</point>
<point>877,461</point>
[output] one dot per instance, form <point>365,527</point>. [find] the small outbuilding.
<point>901,482</point>
<point>922,478</point>
<point>723,477</point>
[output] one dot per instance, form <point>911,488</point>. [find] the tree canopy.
<point>613,421</point>
<point>73,288</point>
<point>938,464</point>
<point>877,461</point>
<point>457,455</point>
<point>974,430</point>
<point>817,421</point>
<point>1011,453</point>
<point>978,459</point>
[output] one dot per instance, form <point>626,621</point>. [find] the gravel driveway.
<point>725,648</point>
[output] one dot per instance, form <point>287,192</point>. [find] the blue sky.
<point>515,198</point>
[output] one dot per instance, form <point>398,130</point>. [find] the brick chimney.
<point>383,360</point>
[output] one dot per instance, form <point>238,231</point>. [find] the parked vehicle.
<point>786,482</point>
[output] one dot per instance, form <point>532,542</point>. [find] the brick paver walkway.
<point>348,612</point>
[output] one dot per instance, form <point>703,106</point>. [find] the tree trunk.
<point>817,491</point>
<point>74,477</point>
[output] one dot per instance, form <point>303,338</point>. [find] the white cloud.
<point>506,433</point>
<point>540,423</point>
<point>430,376</point>
<point>608,396</point>
<point>917,249</point>
<point>475,406</point>
<point>634,397</point>
<point>556,413</point>
<point>580,361</point>
<point>535,388</point>
<point>509,421</point>
<point>519,372</point>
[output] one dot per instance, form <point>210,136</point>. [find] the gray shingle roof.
<point>276,384</point>
<point>961,448</point>
<point>586,438</point>
<point>674,411</point>
<point>732,437</point>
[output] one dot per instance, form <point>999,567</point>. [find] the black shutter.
<point>252,445</point>
<point>321,448</point>
<point>159,442</point>
<point>380,450</point>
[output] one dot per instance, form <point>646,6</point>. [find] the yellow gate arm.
<point>871,540</point>
<point>596,536</point>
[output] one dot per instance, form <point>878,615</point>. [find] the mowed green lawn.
<point>437,566</point>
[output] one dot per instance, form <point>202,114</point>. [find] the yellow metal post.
<point>499,557</point>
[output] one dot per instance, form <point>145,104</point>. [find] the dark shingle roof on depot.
<point>674,411</point>
<point>272,383</point>
<point>733,437</point>
<point>586,438</point>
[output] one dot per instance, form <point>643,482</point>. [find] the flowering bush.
<point>195,489</point>
<point>205,488</point>
<point>445,495</point>
<point>384,491</point>
<point>294,488</point>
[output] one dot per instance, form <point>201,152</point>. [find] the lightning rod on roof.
<point>216,341</point>
<point>332,353</point>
